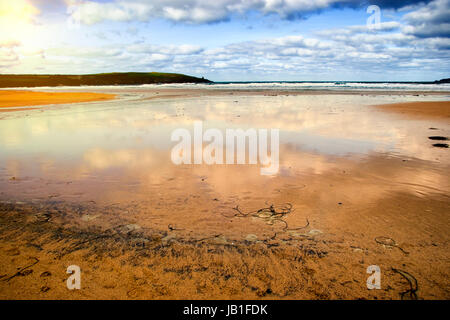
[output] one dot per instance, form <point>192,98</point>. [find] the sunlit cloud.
<point>17,12</point>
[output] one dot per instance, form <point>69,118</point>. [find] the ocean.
<point>279,85</point>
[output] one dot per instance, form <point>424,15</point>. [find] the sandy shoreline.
<point>428,109</point>
<point>158,231</point>
<point>18,98</point>
<point>24,100</point>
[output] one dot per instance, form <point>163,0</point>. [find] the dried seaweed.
<point>389,242</point>
<point>21,270</point>
<point>413,285</point>
<point>271,215</point>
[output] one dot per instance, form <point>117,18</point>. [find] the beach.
<point>89,182</point>
<point>434,109</point>
<point>19,98</point>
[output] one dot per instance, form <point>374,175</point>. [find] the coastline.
<point>11,100</point>
<point>22,98</point>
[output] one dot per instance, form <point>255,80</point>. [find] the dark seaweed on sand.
<point>440,138</point>
<point>440,145</point>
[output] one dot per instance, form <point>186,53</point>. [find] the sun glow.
<point>16,19</point>
<point>17,11</point>
<point>18,34</point>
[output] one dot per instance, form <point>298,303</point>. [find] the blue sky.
<point>229,40</point>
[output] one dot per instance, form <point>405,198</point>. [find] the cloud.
<point>344,52</point>
<point>86,52</point>
<point>8,54</point>
<point>10,44</point>
<point>200,11</point>
<point>184,49</point>
<point>360,29</point>
<point>396,4</point>
<point>432,20</point>
<point>395,48</point>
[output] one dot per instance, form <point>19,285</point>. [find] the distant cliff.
<point>447,80</point>
<point>127,78</point>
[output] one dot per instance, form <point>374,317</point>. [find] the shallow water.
<point>128,141</point>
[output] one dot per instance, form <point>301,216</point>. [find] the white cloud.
<point>184,49</point>
<point>201,11</point>
<point>191,11</point>
<point>8,54</point>
<point>432,20</point>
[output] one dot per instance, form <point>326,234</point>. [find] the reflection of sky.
<point>131,133</point>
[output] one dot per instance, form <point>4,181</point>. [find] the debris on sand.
<point>440,138</point>
<point>24,271</point>
<point>271,215</point>
<point>89,217</point>
<point>440,145</point>
<point>389,243</point>
<point>45,289</point>
<point>413,285</point>
<point>251,237</point>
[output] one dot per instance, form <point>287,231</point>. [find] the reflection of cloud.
<point>11,135</point>
<point>321,178</point>
<point>39,128</point>
<point>104,159</point>
<point>373,175</point>
<point>333,124</point>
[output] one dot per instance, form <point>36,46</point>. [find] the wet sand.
<point>202,249</point>
<point>19,98</point>
<point>428,109</point>
<point>141,228</point>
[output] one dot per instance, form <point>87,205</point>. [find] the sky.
<point>230,40</point>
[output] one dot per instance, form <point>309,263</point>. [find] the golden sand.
<point>419,109</point>
<point>19,98</point>
<point>143,249</point>
<point>181,237</point>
